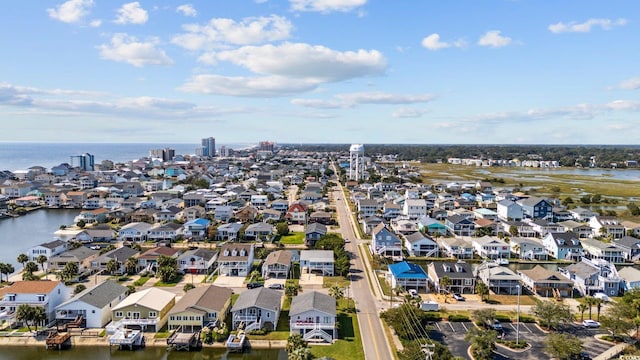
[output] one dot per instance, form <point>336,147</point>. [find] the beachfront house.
<point>199,307</point>
<point>460,274</point>
<point>47,249</point>
<point>313,316</point>
<point>235,259</point>
<point>408,276</point>
<point>257,309</point>
<point>197,261</point>
<point>136,231</point>
<point>145,310</point>
<point>545,282</point>
<point>456,247</point>
<point>277,264</point>
<point>92,306</point>
<point>42,293</point>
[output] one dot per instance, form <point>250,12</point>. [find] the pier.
<point>56,340</point>
<point>236,343</point>
<point>127,339</point>
<point>179,340</point>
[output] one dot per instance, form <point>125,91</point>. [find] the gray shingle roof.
<point>263,298</point>
<point>313,301</point>
<point>99,295</point>
<point>203,298</point>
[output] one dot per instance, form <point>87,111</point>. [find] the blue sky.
<point>321,71</point>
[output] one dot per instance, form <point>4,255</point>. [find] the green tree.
<point>292,289</point>
<point>188,287</point>
<point>112,266</point>
<point>483,290</point>
<point>69,271</point>
<point>633,209</point>
<point>6,269</point>
<point>513,230</point>
<point>567,201</point>
<point>295,342</point>
<point>25,314</point>
<point>29,269</point>
<point>562,345</point>
<point>81,224</point>
<point>130,290</point>
<point>38,316</point>
<point>551,313</point>
<point>445,282</point>
<point>589,301</point>
<point>42,259</point>
<point>282,228</point>
<point>482,317</point>
<point>483,231</point>
<point>78,289</point>
<point>483,342</point>
<point>582,307</point>
<point>22,259</point>
<point>131,265</point>
<point>336,292</point>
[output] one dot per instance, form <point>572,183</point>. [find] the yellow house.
<point>199,307</point>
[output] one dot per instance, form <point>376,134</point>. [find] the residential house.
<point>192,213</point>
<point>457,248</point>
<point>43,293</point>
<point>259,201</point>
<point>257,309</point>
<point>631,228</point>
<point>582,215</point>
<point>414,208</point>
<point>314,232</point>
<point>563,246</point>
<point>313,316</point>
<point>367,207</point>
<point>519,228</point>
<point>235,259</point>
<point>460,274</point>
<point>223,213</point>
<point>630,277</point>
<point>229,232</point>
<point>543,227</point>
<point>280,205</point>
<point>459,225</point>
<point>196,229</point>
<point>630,247</point>
<point>431,226</point>
<point>246,213</point>
<point>81,256</point>
<point>200,307</point>
<point>385,243</point>
<point>499,279</point>
<point>259,231</point>
<point>391,210</point>
<point>277,264</point>
<point>321,217</point>
<point>491,227</point>
<point>93,305</point>
<point>491,247</point>
<point>536,208</point>
<point>545,282</point>
<point>135,231</point>
<point>418,244</point>
<point>164,232</point>
<point>271,215</point>
<point>197,261</point>
<point>146,310</point>
<point>404,226</point>
<point>484,213</point>
<point>408,276</point>
<point>582,230</point>
<point>592,276</point>
<point>92,216</point>
<point>148,260</point>
<point>370,223</point>
<point>528,248</point>
<point>596,249</point>
<point>120,255</point>
<point>607,226</point>
<point>317,261</point>
<point>296,214</point>
<point>509,211</point>
<point>47,249</point>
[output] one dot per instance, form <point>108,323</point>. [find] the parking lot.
<point>452,335</point>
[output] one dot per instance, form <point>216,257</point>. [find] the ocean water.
<point>22,155</point>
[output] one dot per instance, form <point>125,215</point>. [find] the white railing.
<point>311,325</point>
<point>245,318</point>
<point>317,332</point>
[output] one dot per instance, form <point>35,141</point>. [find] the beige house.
<point>199,307</point>
<point>146,310</point>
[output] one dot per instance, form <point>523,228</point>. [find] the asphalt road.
<point>374,340</point>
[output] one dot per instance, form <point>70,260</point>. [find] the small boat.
<point>502,261</point>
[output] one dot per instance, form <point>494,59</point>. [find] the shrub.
<point>511,344</point>
<point>527,319</point>
<point>258,332</point>
<point>502,318</point>
<point>458,317</point>
<point>432,316</point>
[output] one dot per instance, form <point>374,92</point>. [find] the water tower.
<point>356,162</point>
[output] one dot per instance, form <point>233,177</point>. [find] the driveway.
<point>229,281</point>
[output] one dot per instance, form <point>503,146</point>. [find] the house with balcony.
<point>199,307</point>
<point>460,273</point>
<point>370,223</point>
<point>120,255</point>
<point>456,248</point>
<point>271,215</point>
<point>164,232</point>
<point>229,232</point>
<point>607,226</point>
<point>542,227</point>
<point>563,246</point>
<point>145,310</point>
<point>92,306</point>
<point>223,213</point>
<point>321,217</point>
<point>197,261</point>
<point>582,230</point>
<point>536,208</point>
<point>313,316</point>
<point>528,248</point>
<point>317,261</point>
<point>135,231</point>
<point>385,243</point>
<point>594,275</point>
<point>630,247</point>
<point>408,276</point>
<point>296,214</point>
<point>414,208</point>
<point>367,207</point>
<point>546,283</point>
<point>259,201</point>
<point>391,210</point>
<point>314,232</point>
<point>582,215</point>
<point>246,214</point>
<point>418,244</point>
<point>431,226</point>
<point>630,227</point>
<point>499,279</point>
<point>491,247</point>
<point>47,249</point>
<point>459,225</point>
<point>192,213</point>
<point>42,293</point>
<point>509,210</point>
<point>256,309</point>
<point>81,256</point>
<point>630,277</point>
<point>596,249</point>
<point>235,259</point>
<point>196,229</point>
<point>277,264</point>
<point>260,231</point>
<point>149,258</point>
<point>403,225</point>
<point>280,205</point>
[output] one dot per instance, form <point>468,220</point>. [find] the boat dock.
<point>127,339</point>
<point>56,340</point>
<point>184,341</point>
<point>236,343</point>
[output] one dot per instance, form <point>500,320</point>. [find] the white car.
<point>590,323</point>
<point>413,293</point>
<point>458,297</point>
<point>601,296</point>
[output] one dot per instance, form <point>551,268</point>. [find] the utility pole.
<point>518,319</point>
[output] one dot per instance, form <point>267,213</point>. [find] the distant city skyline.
<point>317,71</point>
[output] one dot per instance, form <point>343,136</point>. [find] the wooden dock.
<point>58,341</point>
<point>236,343</point>
<point>127,339</point>
<point>184,341</point>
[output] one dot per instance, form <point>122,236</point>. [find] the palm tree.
<point>589,301</point>
<point>29,269</point>
<point>582,307</point>
<point>598,303</point>
<point>131,265</point>
<point>445,282</point>
<point>25,313</point>
<point>8,269</point>
<point>336,292</point>
<point>3,270</point>
<point>255,274</point>
<point>22,258</point>
<point>42,259</point>
<point>112,266</point>
<point>130,290</point>
<point>38,316</point>
<point>482,290</point>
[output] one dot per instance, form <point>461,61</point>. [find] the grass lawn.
<point>295,238</point>
<point>170,284</point>
<point>348,346</point>
<point>329,281</point>
<point>512,299</point>
<point>281,332</point>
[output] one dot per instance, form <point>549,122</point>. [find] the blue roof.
<point>199,221</point>
<point>405,270</point>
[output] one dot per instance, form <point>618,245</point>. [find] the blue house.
<point>536,208</point>
<point>385,243</point>
<point>196,228</point>
<point>408,275</point>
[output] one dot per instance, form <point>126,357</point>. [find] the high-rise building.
<point>84,161</point>
<point>165,154</point>
<point>208,147</point>
<point>356,162</point>
<point>226,151</point>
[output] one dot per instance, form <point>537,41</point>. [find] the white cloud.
<point>624,105</point>
<point>220,31</point>
<point>326,6</point>
<point>72,11</point>
<point>350,100</point>
<point>432,42</point>
<point>187,10</point>
<point>494,39</point>
<point>128,49</point>
<point>408,113</point>
<point>299,60</point>
<point>605,24</point>
<point>266,86</point>
<point>630,84</point>
<point>95,23</point>
<point>131,13</point>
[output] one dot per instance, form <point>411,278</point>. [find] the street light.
<point>518,318</point>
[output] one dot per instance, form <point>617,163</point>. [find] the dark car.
<point>254,285</point>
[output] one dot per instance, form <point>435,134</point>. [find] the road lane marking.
<point>373,337</point>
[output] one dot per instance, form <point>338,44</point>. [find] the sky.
<point>321,71</point>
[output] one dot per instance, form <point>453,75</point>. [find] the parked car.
<point>276,286</point>
<point>494,325</point>
<point>601,296</point>
<point>254,285</point>
<point>458,297</point>
<point>590,323</point>
<point>413,293</point>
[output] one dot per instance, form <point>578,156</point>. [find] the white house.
<point>197,261</point>
<point>235,259</point>
<point>93,304</point>
<point>419,244</point>
<point>257,309</point>
<point>414,208</point>
<point>317,261</point>
<point>259,201</point>
<point>313,316</point>
<point>528,248</point>
<point>491,247</point>
<point>42,293</point>
<point>136,231</point>
<point>47,249</point>
<point>509,210</point>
